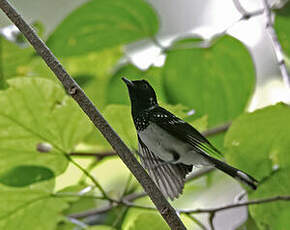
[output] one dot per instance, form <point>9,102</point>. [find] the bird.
<point>168,146</point>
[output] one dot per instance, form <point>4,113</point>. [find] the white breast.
<point>164,145</point>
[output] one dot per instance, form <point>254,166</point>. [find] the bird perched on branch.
<point>168,146</point>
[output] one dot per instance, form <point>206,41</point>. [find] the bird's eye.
<point>145,86</point>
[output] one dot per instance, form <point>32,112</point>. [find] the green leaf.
<point>38,125</point>
<point>119,117</point>
<point>282,28</point>
<point>273,215</point>
<point>152,219</point>
<point>77,203</point>
<point>24,175</point>
<point>114,217</point>
<point>101,24</point>
<point>101,227</point>
<point>201,123</point>
<point>259,144</point>
<point>29,209</point>
<point>117,92</point>
<point>93,71</point>
<point>216,81</point>
<point>13,58</point>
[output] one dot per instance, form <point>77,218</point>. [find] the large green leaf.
<point>273,215</point>
<point>119,117</point>
<point>100,24</point>
<point>217,81</point>
<point>38,125</point>
<point>24,209</point>
<point>281,25</point>
<point>13,58</point>
<point>93,72</point>
<point>259,143</point>
<point>145,219</point>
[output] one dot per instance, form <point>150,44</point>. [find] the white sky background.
<point>184,17</point>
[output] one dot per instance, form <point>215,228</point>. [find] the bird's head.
<point>142,95</point>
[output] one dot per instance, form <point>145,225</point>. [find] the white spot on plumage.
<point>243,175</point>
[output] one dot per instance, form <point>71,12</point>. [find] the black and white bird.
<point>168,146</point>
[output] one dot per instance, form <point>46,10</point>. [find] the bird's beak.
<point>128,82</point>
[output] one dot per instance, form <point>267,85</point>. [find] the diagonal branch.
<point>165,209</point>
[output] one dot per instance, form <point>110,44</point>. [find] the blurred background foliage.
<point>45,138</point>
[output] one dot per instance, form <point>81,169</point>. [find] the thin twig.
<point>217,130</point>
<point>96,183</point>
<point>211,211</point>
<point>134,196</point>
<point>97,155</point>
<point>78,223</point>
<point>236,205</point>
<point>201,225</point>
<point>93,212</point>
<point>245,14</point>
<point>127,185</point>
<point>276,44</point>
<point>240,8</point>
<point>207,43</point>
<point>210,219</point>
<point>73,89</point>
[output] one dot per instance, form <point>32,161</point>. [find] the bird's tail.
<point>236,173</point>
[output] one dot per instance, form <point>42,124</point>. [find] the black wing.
<point>169,178</point>
<point>183,131</point>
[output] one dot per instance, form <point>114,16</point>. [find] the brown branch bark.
<point>165,209</point>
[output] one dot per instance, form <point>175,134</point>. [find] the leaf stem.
<point>196,221</point>
<point>96,183</point>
